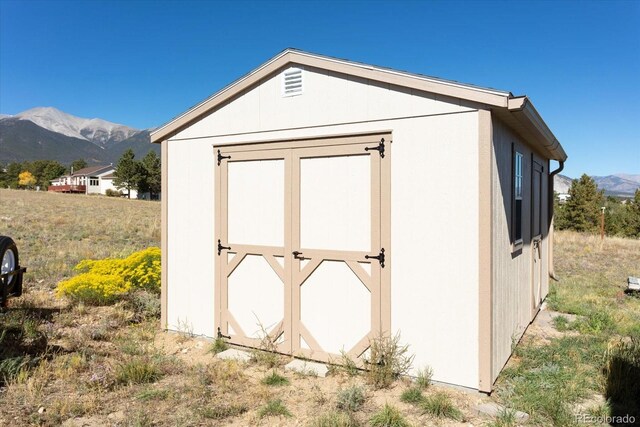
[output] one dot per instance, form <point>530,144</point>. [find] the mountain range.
<point>48,133</point>
<point>619,184</point>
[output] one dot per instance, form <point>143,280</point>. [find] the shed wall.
<point>434,225</point>
<point>512,269</point>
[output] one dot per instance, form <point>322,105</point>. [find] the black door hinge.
<point>220,247</point>
<point>220,336</point>
<point>379,148</point>
<point>220,157</point>
<point>379,257</point>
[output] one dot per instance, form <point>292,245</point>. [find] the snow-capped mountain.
<point>45,133</point>
<point>97,131</point>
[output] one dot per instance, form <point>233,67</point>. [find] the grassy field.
<point>73,364</point>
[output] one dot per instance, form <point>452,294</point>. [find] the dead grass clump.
<point>335,419</point>
<point>222,411</point>
<point>138,370</point>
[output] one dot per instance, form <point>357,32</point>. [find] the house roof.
<point>91,170</point>
<point>517,111</point>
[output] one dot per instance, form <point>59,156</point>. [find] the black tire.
<point>9,261</point>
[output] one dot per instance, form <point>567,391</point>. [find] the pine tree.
<point>583,207</point>
<point>150,174</point>
<point>127,173</point>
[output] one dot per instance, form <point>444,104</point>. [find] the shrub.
<point>105,281</point>
<point>218,346</point>
<point>440,405</point>
<point>622,375</point>
<point>335,419</point>
<point>412,395</point>
<point>113,193</point>
<point>423,380</point>
<point>93,288</point>
<point>222,411</point>
<point>351,399</point>
<point>274,408</point>
<point>275,379</point>
<point>388,417</point>
<point>387,361</point>
<point>138,370</point>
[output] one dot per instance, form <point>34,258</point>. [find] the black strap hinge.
<point>220,336</point>
<point>220,157</point>
<point>379,148</point>
<point>220,247</point>
<point>379,257</point>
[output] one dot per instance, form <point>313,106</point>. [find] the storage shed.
<point>325,202</point>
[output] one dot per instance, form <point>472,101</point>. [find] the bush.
<point>388,417</point>
<point>440,405</point>
<point>93,288</point>
<point>622,375</point>
<point>113,193</point>
<point>105,281</point>
<point>351,399</point>
<point>387,361</point>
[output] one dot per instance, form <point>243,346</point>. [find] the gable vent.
<point>292,82</point>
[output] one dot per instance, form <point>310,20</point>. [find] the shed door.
<point>536,234</point>
<point>303,224</point>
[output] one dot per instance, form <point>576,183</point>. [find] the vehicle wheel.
<point>9,261</point>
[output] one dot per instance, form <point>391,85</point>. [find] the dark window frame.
<point>517,197</point>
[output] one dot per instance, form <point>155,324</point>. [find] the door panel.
<point>298,230</point>
<point>251,289</point>
<point>336,213</point>
<point>335,203</point>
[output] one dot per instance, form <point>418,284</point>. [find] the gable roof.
<point>518,112</point>
<point>91,170</point>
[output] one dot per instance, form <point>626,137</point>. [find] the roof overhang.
<point>515,111</point>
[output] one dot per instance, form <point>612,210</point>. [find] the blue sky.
<point>140,63</point>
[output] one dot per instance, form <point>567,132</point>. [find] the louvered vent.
<point>292,82</point>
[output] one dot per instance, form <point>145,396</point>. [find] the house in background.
<point>89,180</point>
<point>324,215</point>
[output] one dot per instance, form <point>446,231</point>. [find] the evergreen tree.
<point>583,207</point>
<point>634,215</point>
<point>127,173</point>
<point>150,177</point>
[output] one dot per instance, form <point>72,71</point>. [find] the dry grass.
<point>111,366</point>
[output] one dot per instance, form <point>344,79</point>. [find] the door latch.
<point>220,247</point>
<point>379,257</point>
<point>297,254</point>
<point>379,148</point>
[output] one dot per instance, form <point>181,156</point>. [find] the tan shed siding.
<point>512,270</point>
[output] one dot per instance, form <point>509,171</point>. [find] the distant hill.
<point>620,184</point>
<point>47,133</point>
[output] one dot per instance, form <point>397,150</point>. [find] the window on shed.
<point>517,197</point>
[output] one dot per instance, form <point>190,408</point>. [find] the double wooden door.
<point>302,231</point>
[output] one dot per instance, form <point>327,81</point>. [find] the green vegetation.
<point>221,411</point>
<point>42,171</point>
<point>219,345</point>
<point>107,280</point>
<point>138,370</point>
<point>440,405</point>
<point>387,360</point>
<point>388,416</point>
<point>582,212</point>
<point>275,379</point>
<point>335,419</point>
<point>622,373</point>
<point>412,395</point>
<point>423,379</point>
<point>351,399</point>
<point>274,408</point>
